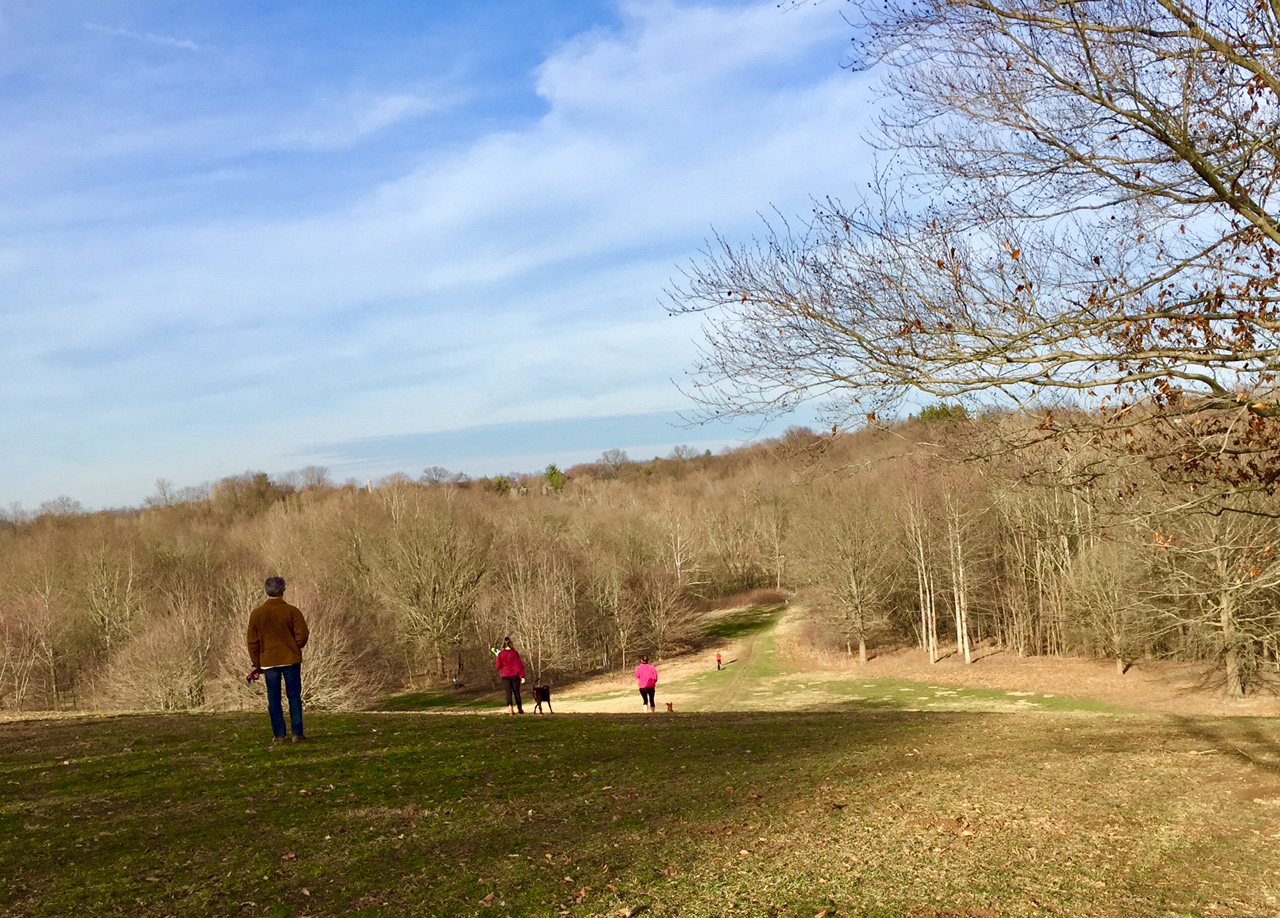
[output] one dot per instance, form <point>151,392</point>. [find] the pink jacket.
<point>509,664</point>
<point>646,675</point>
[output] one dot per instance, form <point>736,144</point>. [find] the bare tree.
<point>612,460</point>
<point>1100,251</point>
<point>919,541</point>
<point>847,549</point>
<point>164,496</point>
<point>114,594</point>
<point>538,596</point>
<point>731,531</point>
<point>1101,231</point>
<point>679,542</point>
<point>428,565</point>
<point>438,475</point>
<point>664,608</point>
<point>772,520</point>
<point>1112,587</point>
<point>959,563</point>
<point>1221,580</point>
<point>615,556</point>
<point>23,634</point>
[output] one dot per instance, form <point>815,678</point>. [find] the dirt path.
<point>775,669</point>
<point>737,678</point>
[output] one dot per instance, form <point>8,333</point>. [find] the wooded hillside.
<point>884,537</point>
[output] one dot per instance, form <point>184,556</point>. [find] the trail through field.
<point>770,665</point>
<point>764,669</point>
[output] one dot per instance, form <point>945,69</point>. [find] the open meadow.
<point>848,796</point>
<point>964,591</point>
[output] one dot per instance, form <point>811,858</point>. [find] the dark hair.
<point>506,643</point>
<point>275,586</point>
<point>644,659</point>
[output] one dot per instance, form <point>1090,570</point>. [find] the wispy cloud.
<point>398,261</point>
<point>150,37</point>
<point>336,123</point>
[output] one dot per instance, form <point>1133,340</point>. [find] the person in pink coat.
<point>647,677</point>
<point>511,668</point>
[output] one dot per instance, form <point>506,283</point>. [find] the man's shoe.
<point>299,738</point>
<point>277,740</point>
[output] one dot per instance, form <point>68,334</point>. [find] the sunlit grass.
<point>785,813</point>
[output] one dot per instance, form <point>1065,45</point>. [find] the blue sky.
<point>379,237</point>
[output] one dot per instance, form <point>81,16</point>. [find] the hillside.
<point>886,538</point>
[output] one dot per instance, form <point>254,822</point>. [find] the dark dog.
<point>541,693</point>
<point>670,708</point>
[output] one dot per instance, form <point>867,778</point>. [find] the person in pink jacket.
<point>511,668</point>
<point>647,677</point>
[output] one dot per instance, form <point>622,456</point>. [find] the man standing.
<point>277,634</point>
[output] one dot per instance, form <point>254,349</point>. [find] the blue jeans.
<point>292,676</point>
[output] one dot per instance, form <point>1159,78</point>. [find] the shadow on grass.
<point>744,622</point>
<point>440,699</point>
<point>395,814</point>
<point>380,815</point>
<point>1242,738</point>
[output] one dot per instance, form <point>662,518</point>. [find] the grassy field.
<point>859,812</point>
<point>773,791</point>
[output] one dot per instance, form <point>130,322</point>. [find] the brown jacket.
<point>277,634</point>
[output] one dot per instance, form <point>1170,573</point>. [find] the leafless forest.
<point>882,538</point>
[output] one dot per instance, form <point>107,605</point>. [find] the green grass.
<point>753,679</point>
<point>443,699</point>
<point>867,797</point>
<point>744,622</point>
<point>860,812</point>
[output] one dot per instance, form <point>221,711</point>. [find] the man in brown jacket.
<point>277,634</point>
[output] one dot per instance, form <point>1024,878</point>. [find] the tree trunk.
<point>1233,649</point>
<point>959,586</point>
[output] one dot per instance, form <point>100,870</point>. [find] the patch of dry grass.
<point>870,813</point>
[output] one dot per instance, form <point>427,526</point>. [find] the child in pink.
<point>647,677</point>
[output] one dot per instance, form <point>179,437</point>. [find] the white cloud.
<point>514,277</point>
<point>336,123</point>
<point>149,37</point>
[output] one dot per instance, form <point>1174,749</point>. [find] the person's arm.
<point>253,640</point>
<point>300,631</point>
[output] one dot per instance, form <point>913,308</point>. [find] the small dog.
<point>670,709</point>
<point>541,694</point>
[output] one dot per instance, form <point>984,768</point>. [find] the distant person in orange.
<point>511,668</point>
<point>717,661</point>
<point>647,678</point>
<point>277,634</point>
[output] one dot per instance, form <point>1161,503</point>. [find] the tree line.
<point>884,538</point>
